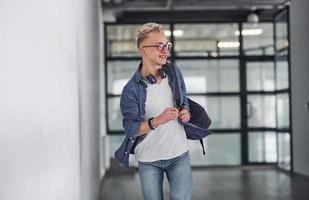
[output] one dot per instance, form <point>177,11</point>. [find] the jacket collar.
<point>137,76</point>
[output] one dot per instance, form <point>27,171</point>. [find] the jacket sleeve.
<point>130,112</point>
<point>183,89</point>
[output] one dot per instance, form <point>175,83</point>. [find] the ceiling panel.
<point>190,10</point>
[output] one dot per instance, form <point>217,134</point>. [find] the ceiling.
<point>159,5</point>
<point>128,11</point>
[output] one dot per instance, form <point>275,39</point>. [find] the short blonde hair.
<point>142,33</point>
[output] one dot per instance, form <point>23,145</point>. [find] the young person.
<point>154,107</point>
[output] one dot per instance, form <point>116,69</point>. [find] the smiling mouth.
<point>163,56</point>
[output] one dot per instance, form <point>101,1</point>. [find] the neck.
<point>149,68</point>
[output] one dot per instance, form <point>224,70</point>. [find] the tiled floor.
<point>230,183</point>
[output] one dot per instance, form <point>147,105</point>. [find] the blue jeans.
<point>179,175</point>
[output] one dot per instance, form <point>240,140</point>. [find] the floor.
<point>223,183</point>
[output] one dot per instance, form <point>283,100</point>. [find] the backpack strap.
<point>202,143</point>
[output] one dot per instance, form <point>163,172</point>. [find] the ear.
<point>142,51</point>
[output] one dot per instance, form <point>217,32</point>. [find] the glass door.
<point>261,112</point>
<point>282,86</point>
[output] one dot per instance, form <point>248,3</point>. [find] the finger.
<point>174,111</point>
<point>171,109</point>
<point>185,118</point>
<point>182,112</point>
<point>173,115</point>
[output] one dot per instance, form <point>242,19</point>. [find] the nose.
<point>165,50</point>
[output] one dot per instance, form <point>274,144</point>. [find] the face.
<point>155,48</point>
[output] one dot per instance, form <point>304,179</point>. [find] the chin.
<point>162,62</point>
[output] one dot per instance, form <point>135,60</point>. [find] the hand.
<point>184,115</point>
<point>167,115</point>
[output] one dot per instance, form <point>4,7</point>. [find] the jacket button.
<point>132,141</point>
<point>125,152</point>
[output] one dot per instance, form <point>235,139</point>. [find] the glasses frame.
<point>161,47</point>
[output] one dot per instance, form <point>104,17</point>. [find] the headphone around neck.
<point>151,78</point>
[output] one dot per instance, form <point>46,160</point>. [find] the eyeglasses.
<point>161,47</point>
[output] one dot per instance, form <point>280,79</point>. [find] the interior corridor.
<point>222,183</point>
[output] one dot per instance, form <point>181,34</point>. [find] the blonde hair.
<point>142,33</point>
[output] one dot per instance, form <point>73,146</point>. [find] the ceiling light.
<point>176,33</point>
<point>167,33</point>
<point>246,32</point>
<point>253,17</point>
<point>228,44</point>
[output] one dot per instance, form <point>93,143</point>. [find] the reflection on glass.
<point>260,76</point>
<point>210,75</point>
<point>206,40</point>
<point>261,111</point>
<point>282,74</point>
<point>114,114</point>
<point>258,39</point>
<point>223,111</point>
<point>227,154</point>
<point>119,73</point>
<point>283,111</point>
<point>284,155</point>
<point>262,147</point>
<point>121,40</point>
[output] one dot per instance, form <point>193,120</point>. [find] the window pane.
<point>210,75</point>
<point>114,142</point>
<point>284,155</point>
<point>262,147</point>
<point>282,74</point>
<point>282,34</point>
<point>283,111</point>
<point>227,154</point>
<point>114,114</point>
<point>206,39</point>
<point>224,112</point>
<point>260,76</point>
<point>119,73</point>
<point>258,39</point>
<point>261,111</point>
<point>121,40</point>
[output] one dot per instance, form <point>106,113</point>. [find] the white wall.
<point>105,158</point>
<point>49,100</point>
<point>299,28</point>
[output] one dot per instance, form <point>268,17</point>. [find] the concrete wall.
<point>299,29</point>
<point>49,100</point>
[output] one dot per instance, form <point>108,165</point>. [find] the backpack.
<point>197,127</point>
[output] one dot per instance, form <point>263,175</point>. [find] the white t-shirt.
<point>167,140</point>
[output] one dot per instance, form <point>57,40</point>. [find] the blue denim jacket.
<point>132,105</point>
